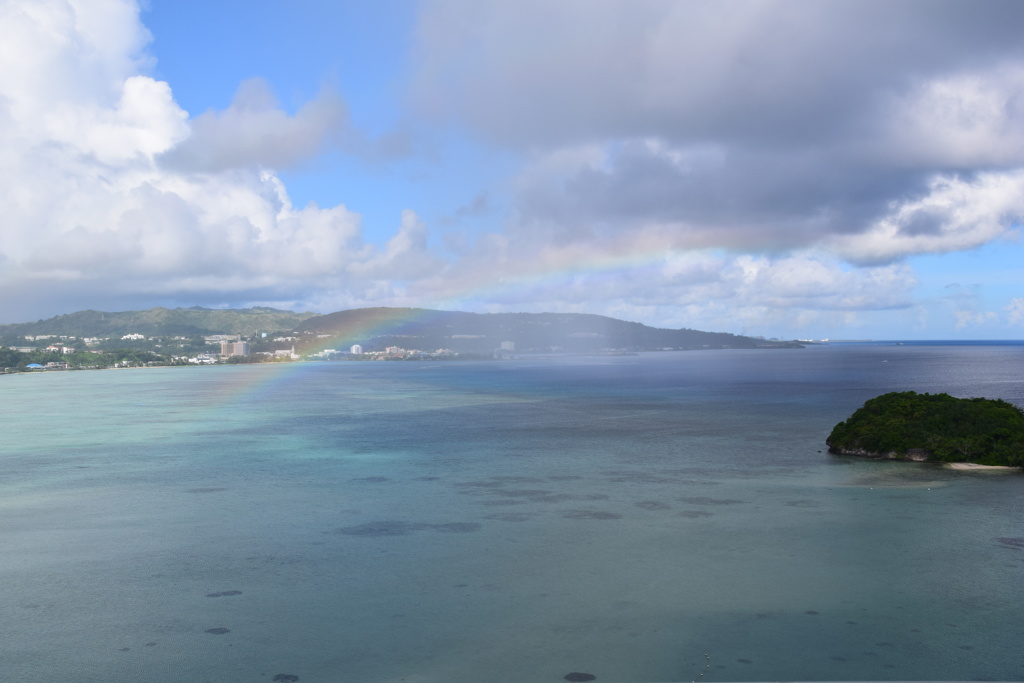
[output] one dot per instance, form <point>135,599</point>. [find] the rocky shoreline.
<point>912,455</point>
<point>922,455</point>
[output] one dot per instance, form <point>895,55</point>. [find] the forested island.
<point>933,428</point>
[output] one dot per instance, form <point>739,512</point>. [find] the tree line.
<point>12,359</point>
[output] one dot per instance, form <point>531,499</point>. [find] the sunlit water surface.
<point>649,518</point>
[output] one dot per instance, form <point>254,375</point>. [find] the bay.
<point>661,517</point>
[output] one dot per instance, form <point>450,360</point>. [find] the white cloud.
<point>954,214</point>
<point>90,210</point>
<point>707,289</point>
<point>959,120</point>
<point>1015,312</point>
<point>406,256</point>
<point>966,319</point>
<point>254,131</point>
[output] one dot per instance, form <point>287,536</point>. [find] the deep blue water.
<point>643,518</point>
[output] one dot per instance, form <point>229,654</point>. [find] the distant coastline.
<point>199,336</point>
<point>924,342</point>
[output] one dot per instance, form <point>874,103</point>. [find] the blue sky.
<point>790,168</point>
<point>359,49</point>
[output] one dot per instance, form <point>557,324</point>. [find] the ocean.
<point>668,516</point>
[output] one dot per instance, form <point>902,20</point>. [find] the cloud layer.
<point>876,130</point>
<point>724,166</point>
<point>254,131</point>
<point>811,146</point>
<point>113,195</point>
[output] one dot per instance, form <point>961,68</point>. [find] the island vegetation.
<point>933,428</point>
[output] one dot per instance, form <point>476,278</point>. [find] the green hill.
<point>378,328</point>
<point>425,329</point>
<point>161,322</point>
<point>933,427</point>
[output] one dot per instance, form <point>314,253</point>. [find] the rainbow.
<point>567,268</point>
<point>577,266</point>
<point>237,383</point>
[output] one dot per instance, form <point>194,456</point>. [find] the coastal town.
<point>50,352</point>
<point>197,336</point>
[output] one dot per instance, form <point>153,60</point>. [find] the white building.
<point>234,348</point>
<point>356,350</point>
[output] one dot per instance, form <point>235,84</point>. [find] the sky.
<point>845,169</point>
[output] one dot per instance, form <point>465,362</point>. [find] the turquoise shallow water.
<point>646,518</point>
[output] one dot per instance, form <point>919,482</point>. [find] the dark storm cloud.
<point>772,72</point>
<point>791,198</point>
<point>758,124</point>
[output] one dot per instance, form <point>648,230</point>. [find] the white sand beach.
<point>975,466</point>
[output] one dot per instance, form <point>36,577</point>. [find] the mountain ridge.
<point>160,321</point>
<point>376,328</point>
<point>483,332</point>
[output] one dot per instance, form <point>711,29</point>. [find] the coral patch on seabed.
<point>589,514</point>
<point>653,505</point>
<point>510,516</point>
<point>703,500</point>
<point>395,528</point>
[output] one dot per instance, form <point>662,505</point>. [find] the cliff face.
<point>912,454</point>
